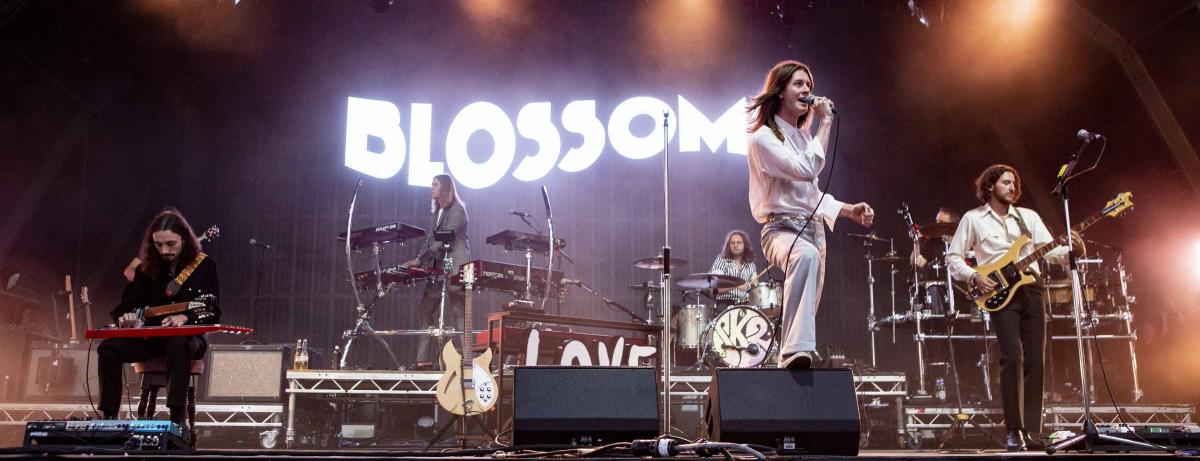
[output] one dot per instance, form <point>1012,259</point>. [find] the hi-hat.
<point>656,263</point>
<point>708,280</point>
<point>867,237</point>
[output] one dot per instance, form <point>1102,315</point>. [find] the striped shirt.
<point>736,269</point>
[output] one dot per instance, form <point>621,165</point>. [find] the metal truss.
<point>380,383</point>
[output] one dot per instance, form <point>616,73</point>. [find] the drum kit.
<point>737,336</point>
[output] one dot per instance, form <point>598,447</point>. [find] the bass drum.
<point>740,337</point>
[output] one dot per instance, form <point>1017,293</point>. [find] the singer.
<point>449,213</point>
<point>736,259</point>
<point>175,270</point>
<point>990,231</point>
<point>785,159</point>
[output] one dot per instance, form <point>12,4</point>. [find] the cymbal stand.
<point>871,297</point>
<point>1127,318</point>
<point>892,280</point>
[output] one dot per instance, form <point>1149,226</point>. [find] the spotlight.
<point>918,13</point>
<point>381,6</point>
<point>9,277</point>
<point>1196,261</point>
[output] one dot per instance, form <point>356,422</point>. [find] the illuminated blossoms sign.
<point>367,118</point>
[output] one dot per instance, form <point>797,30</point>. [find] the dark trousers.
<point>1020,331</point>
<point>429,347</point>
<point>179,351</point>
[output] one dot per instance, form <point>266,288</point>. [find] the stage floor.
<point>478,454</point>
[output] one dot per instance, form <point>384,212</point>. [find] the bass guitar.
<point>1010,273</point>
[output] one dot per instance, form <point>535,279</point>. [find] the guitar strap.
<point>1024,231</point>
<point>176,284</point>
<point>1021,223</point>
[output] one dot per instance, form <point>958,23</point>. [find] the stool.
<point>154,377</point>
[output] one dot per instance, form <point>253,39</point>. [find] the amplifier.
<point>59,373</point>
<point>245,373</point>
<point>105,433</point>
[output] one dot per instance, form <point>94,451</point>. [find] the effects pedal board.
<point>105,433</point>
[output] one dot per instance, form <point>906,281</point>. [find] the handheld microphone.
<point>1085,135</point>
<point>520,213</point>
<point>810,99</point>
<point>260,244</point>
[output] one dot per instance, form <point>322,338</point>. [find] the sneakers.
<point>798,360</point>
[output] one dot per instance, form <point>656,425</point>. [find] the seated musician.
<point>736,259</point>
<point>174,270</point>
<point>927,249</point>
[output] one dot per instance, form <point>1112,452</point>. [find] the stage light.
<point>9,277</point>
<point>1196,261</point>
<point>918,13</point>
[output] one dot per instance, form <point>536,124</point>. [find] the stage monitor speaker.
<point>588,406</point>
<point>245,373</point>
<point>811,411</point>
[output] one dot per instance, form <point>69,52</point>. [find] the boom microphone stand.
<point>1090,435</point>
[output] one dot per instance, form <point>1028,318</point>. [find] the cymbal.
<point>867,237</point>
<point>939,229</point>
<point>892,259</point>
<point>645,286</point>
<point>656,263</point>
<point>708,280</point>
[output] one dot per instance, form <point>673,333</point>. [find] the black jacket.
<point>147,291</point>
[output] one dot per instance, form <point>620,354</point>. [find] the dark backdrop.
<point>236,115</point>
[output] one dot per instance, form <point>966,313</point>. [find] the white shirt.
<point>990,236</point>
<point>783,174</point>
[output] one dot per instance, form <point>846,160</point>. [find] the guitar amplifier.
<point>61,373</point>
<point>245,373</point>
<point>105,433</point>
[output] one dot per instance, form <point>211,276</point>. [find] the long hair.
<point>987,180</point>
<point>169,219</point>
<point>747,253</point>
<point>766,105</point>
<point>448,195</point>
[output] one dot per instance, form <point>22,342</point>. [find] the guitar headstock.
<point>210,234</point>
<point>67,283</point>
<point>468,274</point>
<point>1119,205</point>
<point>83,295</point>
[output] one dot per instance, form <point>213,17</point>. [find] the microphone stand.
<point>664,349</point>
<point>1090,436</point>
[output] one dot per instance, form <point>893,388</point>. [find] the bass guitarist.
<point>991,230</point>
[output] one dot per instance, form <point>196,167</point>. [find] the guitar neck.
<point>1047,247</point>
<point>167,309</point>
<point>467,338</point>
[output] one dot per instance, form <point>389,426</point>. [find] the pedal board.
<point>105,433</point>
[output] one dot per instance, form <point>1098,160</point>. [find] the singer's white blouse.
<point>783,174</point>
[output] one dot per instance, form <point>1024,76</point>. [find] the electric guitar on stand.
<point>467,387</point>
<point>1009,273</point>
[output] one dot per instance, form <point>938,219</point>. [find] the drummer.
<point>927,249</point>
<point>736,259</point>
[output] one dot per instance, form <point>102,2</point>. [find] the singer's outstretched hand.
<point>860,213</point>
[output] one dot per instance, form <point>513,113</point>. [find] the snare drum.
<point>691,321</point>
<point>766,295</point>
<point>740,337</point>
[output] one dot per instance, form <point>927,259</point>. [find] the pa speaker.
<point>588,406</point>
<point>247,373</point>
<point>811,411</point>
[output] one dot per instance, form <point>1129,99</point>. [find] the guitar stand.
<point>461,421</point>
